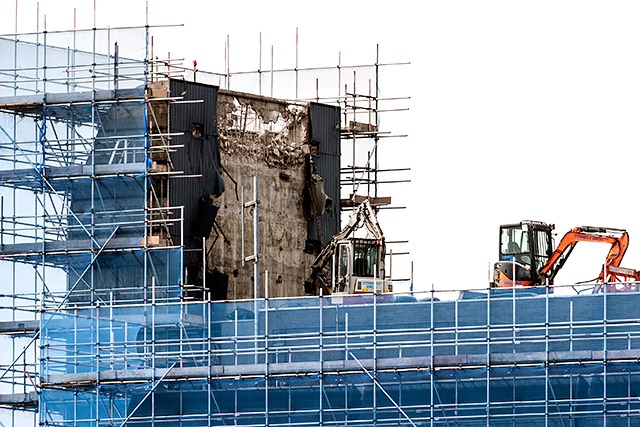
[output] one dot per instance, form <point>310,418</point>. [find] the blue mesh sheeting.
<point>73,60</point>
<point>573,396</point>
<point>313,329</point>
<point>316,361</point>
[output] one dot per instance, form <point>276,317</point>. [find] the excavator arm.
<point>619,240</point>
<point>363,215</point>
<point>619,280</point>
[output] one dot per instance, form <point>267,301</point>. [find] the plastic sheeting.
<point>351,360</point>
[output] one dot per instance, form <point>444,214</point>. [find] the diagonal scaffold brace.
<point>375,381</point>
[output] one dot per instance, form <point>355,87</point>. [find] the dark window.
<point>197,130</point>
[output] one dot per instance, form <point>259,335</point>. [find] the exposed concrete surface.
<point>265,138</point>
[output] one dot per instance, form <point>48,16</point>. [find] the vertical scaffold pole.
<point>376,138</point>
<point>242,251</point>
<point>375,350</point>
<point>432,370</point>
<point>204,267</point>
<point>321,370</point>
<point>260,65</point>
<point>256,239</point>
<point>513,310</point>
<point>266,347</point>
<point>210,396</point>
<point>488,360</point>
<point>228,62</point>
<point>296,68</point>
<point>546,351</point>
<point>255,258</point>
<point>604,353</point>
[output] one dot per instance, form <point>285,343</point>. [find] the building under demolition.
<point>156,236</point>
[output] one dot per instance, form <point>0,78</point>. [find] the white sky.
<point>519,109</point>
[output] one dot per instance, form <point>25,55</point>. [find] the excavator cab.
<point>352,265</point>
<point>359,263</point>
<point>525,248</point>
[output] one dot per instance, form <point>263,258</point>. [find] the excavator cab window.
<point>355,257</point>
<point>365,257</point>
<point>525,250</point>
<point>514,244</point>
<point>343,266</point>
<point>542,248</point>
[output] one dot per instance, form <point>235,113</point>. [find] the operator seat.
<point>513,248</point>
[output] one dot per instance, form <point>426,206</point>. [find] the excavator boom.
<point>618,238</point>
<point>363,214</point>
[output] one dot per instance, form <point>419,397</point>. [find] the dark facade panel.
<point>197,154</point>
<point>325,134</point>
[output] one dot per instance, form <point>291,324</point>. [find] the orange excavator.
<point>527,258</point>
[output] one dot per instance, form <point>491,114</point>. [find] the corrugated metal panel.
<point>325,132</point>
<point>199,154</point>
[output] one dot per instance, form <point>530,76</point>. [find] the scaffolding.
<point>98,333</point>
<point>370,360</point>
<point>353,88</point>
<point>370,165</point>
<point>81,218</point>
<point>85,217</point>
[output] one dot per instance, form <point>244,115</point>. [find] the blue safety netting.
<point>349,360</point>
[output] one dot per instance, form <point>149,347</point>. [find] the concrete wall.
<point>268,139</point>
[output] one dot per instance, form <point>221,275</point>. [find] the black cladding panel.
<point>325,132</point>
<point>197,153</point>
